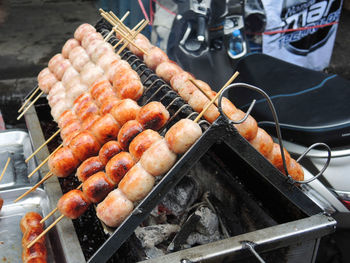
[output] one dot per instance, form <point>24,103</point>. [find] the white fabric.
<point>286,14</point>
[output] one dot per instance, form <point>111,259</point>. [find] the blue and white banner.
<point>301,32</point>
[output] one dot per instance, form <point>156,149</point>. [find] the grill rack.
<point>221,128</point>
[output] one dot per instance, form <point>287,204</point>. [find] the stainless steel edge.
<point>68,241</point>
<point>265,240</point>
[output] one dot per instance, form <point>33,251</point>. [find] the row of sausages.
<point>31,228</point>
<point>134,175</point>
<point>157,60</point>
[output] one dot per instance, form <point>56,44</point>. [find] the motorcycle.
<point>311,105</point>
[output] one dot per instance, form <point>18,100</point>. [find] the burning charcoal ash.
<point>201,227</point>
<point>150,236</point>
<point>207,229</point>
<point>181,197</point>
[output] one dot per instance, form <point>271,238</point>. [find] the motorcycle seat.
<point>311,106</point>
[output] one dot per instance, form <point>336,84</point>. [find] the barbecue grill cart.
<point>246,209</point>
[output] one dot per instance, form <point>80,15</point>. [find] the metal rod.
<point>250,246</point>
<point>324,167</point>
<point>273,111</point>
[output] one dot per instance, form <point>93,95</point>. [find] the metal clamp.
<point>325,165</point>
<point>250,246</point>
<point>272,108</point>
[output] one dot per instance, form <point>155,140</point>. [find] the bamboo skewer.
<point>111,33</point>
<point>202,90</point>
<point>54,210</point>
<point>47,176</point>
<point>45,231</point>
<point>47,141</point>
<point>30,105</point>
<point>108,17</point>
<point>27,100</point>
<point>43,162</point>
<point>130,40</point>
<point>216,96</point>
<point>5,167</point>
<point>122,39</point>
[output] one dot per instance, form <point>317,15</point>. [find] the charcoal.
<point>208,223</point>
<point>207,229</point>
<point>150,236</point>
<point>181,197</point>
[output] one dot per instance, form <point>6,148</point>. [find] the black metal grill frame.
<point>220,130</point>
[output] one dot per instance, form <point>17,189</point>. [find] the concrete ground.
<point>32,31</point>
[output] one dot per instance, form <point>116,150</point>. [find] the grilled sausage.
<point>295,170</point>
<point>82,30</point>
<point>34,254</point>
<point>275,157</point>
<point>182,135</point>
<point>142,142</point>
<point>97,187</point>
<point>249,128</point>
<point>89,167</point>
<point>105,128</point>
<point>30,220</point>
<point>44,72</point>
<point>128,132</point>
<point>78,58</point>
<point>90,36</point>
<point>31,234</point>
<point>106,60</point>
<point>101,49</point>
<point>46,82</point>
<point>124,111</point>
<point>62,163</point>
<point>137,183</point>
<point>168,69</point>
<point>84,145</point>
<point>68,46</point>
<point>140,41</point>
<point>54,60</point>
<point>114,208</point>
<point>108,105</point>
<point>90,73</point>
<point>69,74</point>
<point>153,115</point>
<point>89,121</point>
<point>60,68</point>
<point>118,166</point>
<point>158,159</point>
<point>71,127</point>
<point>90,108</point>
<point>108,150</point>
<point>154,57</point>
<point>73,204</point>
<point>262,142</point>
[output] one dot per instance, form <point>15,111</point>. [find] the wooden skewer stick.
<point>114,20</point>
<point>216,96</point>
<point>135,34</point>
<point>30,105</point>
<point>47,176</point>
<point>122,19</point>
<point>45,231</point>
<point>43,162</point>
<point>122,39</point>
<point>5,167</point>
<point>47,141</point>
<point>202,90</point>
<point>27,100</point>
<point>130,40</point>
<point>54,210</point>
<point>122,26</point>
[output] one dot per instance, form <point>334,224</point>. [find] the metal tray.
<point>62,243</point>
